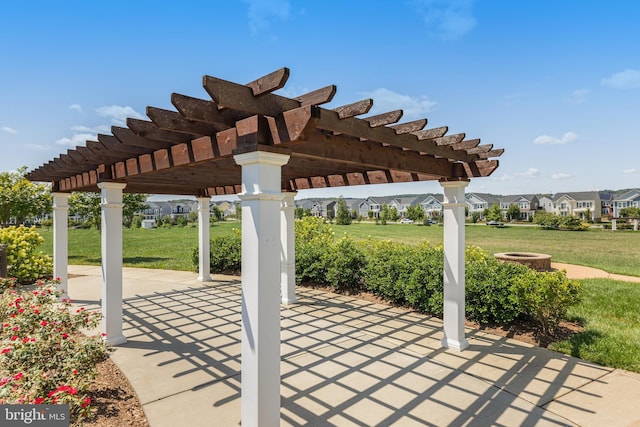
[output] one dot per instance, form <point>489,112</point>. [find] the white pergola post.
<point>204,263</point>
<point>111,230</point>
<point>635,224</point>
<point>454,247</point>
<point>288,256</point>
<point>613,225</point>
<point>261,204</point>
<point>61,241</point>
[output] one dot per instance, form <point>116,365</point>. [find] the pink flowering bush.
<point>44,358</point>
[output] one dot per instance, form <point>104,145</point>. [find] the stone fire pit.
<point>540,262</point>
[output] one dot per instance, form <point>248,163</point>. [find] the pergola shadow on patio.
<point>249,141</point>
<point>344,361</point>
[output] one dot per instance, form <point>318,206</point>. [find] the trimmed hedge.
<point>412,275</point>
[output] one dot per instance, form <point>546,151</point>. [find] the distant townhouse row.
<point>590,205</point>
<point>182,207</point>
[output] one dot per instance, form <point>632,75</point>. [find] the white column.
<point>61,240</point>
<point>204,263</point>
<point>613,225</point>
<point>454,246</point>
<point>261,201</point>
<point>111,230</point>
<point>288,255</point>
<point>635,224</point>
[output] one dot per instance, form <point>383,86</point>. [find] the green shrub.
<point>313,241</point>
<point>23,262</point>
<point>44,358</point>
<point>546,296</point>
<point>225,254</point>
<point>387,265</point>
<point>345,264</point>
<point>572,223</point>
<point>136,222</point>
<point>490,297</point>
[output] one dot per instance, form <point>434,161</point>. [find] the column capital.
<point>454,184</point>
<point>263,157</point>
<point>108,185</point>
<point>58,195</point>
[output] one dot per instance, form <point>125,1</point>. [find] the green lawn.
<point>609,312</point>
<point>170,248</point>
<point>615,252</point>
<point>163,248</point>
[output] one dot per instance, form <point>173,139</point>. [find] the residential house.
<point>606,198</point>
<point>374,205</point>
<point>630,199</point>
<point>478,202</point>
<point>432,205</point>
<point>402,203</point>
<point>157,210</point>
<point>545,202</point>
<point>527,203</point>
<point>585,205</point>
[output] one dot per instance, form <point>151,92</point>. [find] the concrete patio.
<point>344,362</point>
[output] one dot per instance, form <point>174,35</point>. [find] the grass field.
<point>609,313</point>
<point>170,248</point>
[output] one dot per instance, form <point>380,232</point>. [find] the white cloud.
<point>447,19</point>
<point>578,96</point>
<point>386,100</point>
<point>627,79</point>
<point>9,130</point>
<point>76,139</point>
<point>118,113</point>
<point>85,129</point>
<point>76,107</point>
<point>261,12</point>
<point>530,173</point>
<point>503,177</point>
<point>552,140</point>
<point>561,176</point>
<point>632,170</point>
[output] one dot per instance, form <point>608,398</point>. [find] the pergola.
<point>248,140</point>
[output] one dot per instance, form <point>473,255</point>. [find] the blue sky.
<point>554,83</point>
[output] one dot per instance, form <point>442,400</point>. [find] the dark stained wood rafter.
<point>173,121</point>
<point>190,150</point>
<point>409,127</point>
<point>127,137</point>
<point>355,109</point>
<point>148,130</point>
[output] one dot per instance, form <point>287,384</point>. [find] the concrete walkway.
<point>345,362</point>
<point>581,272</point>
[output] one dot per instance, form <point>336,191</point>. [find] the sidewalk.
<point>581,272</point>
<point>345,362</point>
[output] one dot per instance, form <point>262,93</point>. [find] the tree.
<point>20,198</point>
<point>385,214</point>
<point>494,213</point>
<point>547,220</point>
<point>218,215</point>
<point>415,213</point>
<point>630,212</point>
<point>343,216</point>
<point>133,204</point>
<point>513,213</point>
<point>87,207</point>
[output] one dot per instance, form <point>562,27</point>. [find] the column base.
<point>287,301</point>
<point>205,279</point>
<point>117,340</point>
<point>454,344</point>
